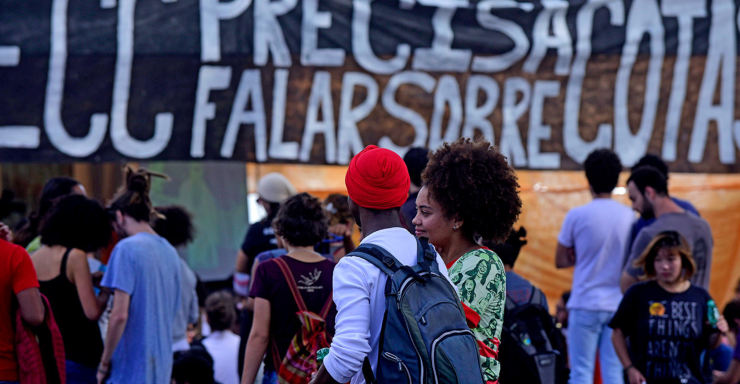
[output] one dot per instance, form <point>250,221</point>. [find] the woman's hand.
<point>635,376</point>
<point>5,233</point>
<point>722,324</point>
<point>103,372</point>
<point>97,277</point>
<point>344,230</point>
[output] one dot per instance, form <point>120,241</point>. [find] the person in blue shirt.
<point>731,375</point>
<point>644,220</point>
<point>144,272</point>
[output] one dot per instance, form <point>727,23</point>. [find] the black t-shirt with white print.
<point>666,332</point>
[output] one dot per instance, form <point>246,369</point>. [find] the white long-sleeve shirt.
<point>359,294</point>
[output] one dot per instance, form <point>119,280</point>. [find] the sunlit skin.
<point>430,221</point>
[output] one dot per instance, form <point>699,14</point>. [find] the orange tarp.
<point>548,195</point>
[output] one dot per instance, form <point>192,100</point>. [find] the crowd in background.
<point>93,294</point>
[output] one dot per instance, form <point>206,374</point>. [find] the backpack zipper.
<point>440,339</point>
<point>399,297</point>
<point>401,365</point>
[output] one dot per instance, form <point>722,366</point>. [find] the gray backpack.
<point>425,338</point>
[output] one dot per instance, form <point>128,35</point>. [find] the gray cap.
<point>275,188</point>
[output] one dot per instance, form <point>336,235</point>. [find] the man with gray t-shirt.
<point>648,190</point>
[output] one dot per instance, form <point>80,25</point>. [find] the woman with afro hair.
<point>470,191</point>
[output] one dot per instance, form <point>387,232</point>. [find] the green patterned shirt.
<point>481,285</point>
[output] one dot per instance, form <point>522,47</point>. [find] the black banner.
<point>314,81</point>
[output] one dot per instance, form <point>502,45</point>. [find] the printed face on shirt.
<point>668,265</point>
<point>430,221</point>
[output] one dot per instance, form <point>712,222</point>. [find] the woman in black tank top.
<point>74,228</point>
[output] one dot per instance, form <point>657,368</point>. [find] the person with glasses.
<point>664,324</point>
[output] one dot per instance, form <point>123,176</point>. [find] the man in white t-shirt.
<point>377,183</point>
<point>593,239</point>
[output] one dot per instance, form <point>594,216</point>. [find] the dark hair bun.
<point>133,198</point>
<point>138,182</point>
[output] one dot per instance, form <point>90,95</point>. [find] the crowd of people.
<point>94,294</point>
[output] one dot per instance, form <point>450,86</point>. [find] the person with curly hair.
<point>54,188</point>
<point>299,225</point>
<point>469,190</point>
<point>144,274</point>
<point>73,230</point>
<point>593,239</point>
<point>176,226</point>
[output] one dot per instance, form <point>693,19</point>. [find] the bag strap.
<point>327,306</point>
<point>536,296</point>
<point>277,362</point>
<point>510,304</point>
<point>367,371</point>
<point>425,256</point>
<point>379,257</point>
<point>291,284</point>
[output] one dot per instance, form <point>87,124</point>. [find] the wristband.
<point>103,370</point>
<point>626,370</point>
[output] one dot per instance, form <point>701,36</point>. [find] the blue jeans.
<point>269,377</point>
<point>80,374</point>
<point>589,332</point>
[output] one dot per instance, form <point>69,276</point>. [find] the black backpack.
<point>532,347</point>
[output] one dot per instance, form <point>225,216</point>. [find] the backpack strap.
<point>510,304</point>
<point>425,255</point>
<point>277,362</point>
<point>291,284</point>
<point>367,371</point>
<point>536,296</point>
<point>379,257</point>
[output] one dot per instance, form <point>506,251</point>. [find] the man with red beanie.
<point>377,183</point>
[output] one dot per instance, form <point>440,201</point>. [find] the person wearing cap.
<point>273,189</point>
<point>377,183</point>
